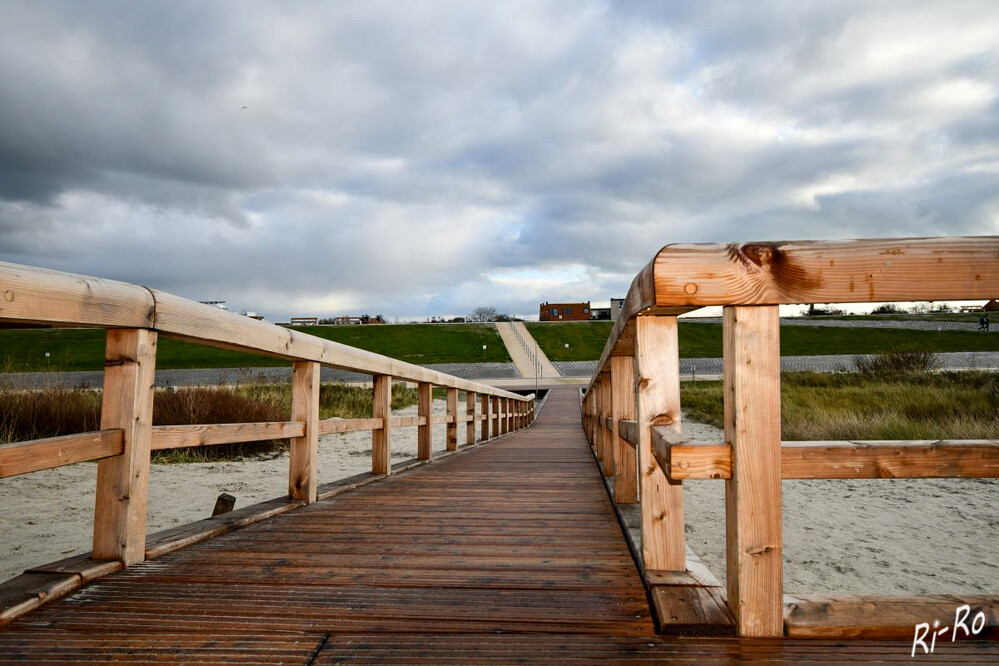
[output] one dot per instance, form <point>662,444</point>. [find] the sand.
<point>847,537</point>
<point>879,536</point>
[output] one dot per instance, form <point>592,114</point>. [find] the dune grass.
<point>60,410</point>
<point>849,406</point>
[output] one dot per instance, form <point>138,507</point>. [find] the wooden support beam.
<point>484,401</point>
<point>657,402</point>
<point>452,415</point>
<point>304,453</point>
<point>628,431</point>
<point>622,408</point>
<point>470,417</point>
<point>932,459</point>
<point>754,552</point>
<point>425,432</point>
<point>123,481</point>
<point>183,436</point>
<point>381,454</point>
<point>682,460</point>
<point>876,459</point>
<point>334,425</point>
<point>39,454</point>
<point>892,617</point>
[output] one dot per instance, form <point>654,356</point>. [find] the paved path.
<point>524,350</point>
<point>865,323</point>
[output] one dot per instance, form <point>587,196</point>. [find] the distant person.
<point>983,323</point>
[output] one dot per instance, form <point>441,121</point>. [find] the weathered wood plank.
<point>658,403</point>
<point>485,401</point>
<point>123,480</point>
<point>890,459</point>
<point>304,450</point>
<point>39,454</point>
<point>82,565</point>
<point>469,417</point>
<point>178,436</point>
<point>754,550</point>
<point>873,459</point>
<point>852,271</point>
<point>22,594</point>
<point>335,425</point>
<point>891,617</point>
<point>682,460</point>
<point>690,609</point>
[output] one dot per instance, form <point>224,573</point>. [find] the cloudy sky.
<point>424,158</point>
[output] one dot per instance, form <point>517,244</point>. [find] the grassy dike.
<point>701,340</point>
<point>23,350</point>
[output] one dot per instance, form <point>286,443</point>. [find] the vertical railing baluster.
<point>123,481</point>
<point>470,415</point>
<point>623,407</point>
<point>304,450</point>
<point>425,431</point>
<point>657,403</point>
<point>754,554</point>
<point>452,416</point>
<point>381,438</point>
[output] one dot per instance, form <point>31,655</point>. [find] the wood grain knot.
<point>690,288</point>
<point>8,296</point>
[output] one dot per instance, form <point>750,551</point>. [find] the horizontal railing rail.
<point>135,316</point>
<point>631,408</point>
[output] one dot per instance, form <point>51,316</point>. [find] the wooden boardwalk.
<point>509,552</point>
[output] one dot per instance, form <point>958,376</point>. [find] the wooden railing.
<point>135,317</point>
<point>631,409</point>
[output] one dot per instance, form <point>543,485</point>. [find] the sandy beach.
<point>849,537</point>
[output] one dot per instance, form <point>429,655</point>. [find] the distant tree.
<point>484,314</point>
<point>887,308</point>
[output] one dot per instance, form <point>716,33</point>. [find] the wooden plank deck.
<point>509,552</point>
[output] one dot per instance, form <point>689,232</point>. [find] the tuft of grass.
<point>897,361</point>
<point>59,410</point>
<point>849,406</point>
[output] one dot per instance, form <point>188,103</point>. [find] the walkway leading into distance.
<point>507,552</point>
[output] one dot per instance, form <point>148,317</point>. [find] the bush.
<point>896,362</point>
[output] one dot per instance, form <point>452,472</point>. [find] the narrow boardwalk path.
<point>507,553</point>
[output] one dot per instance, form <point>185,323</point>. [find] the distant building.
<point>304,321</point>
<point>253,315</point>
<point>564,311</point>
<point>600,314</point>
<point>615,308</point>
<point>218,304</point>
<point>991,306</point>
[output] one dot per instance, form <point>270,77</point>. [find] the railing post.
<point>381,454</point>
<point>608,438</point>
<point>753,539</point>
<point>484,408</point>
<point>425,432</point>
<point>623,407</point>
<point>304,450</point>
<point>494,418</point>
<point>657,403</point>
<point>470,415</point>
<point>597,395</point>
<point>452,415</point>
<point>123,481</point>
<point>510,405</point>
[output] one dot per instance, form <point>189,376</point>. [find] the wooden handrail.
<point>682,278</point>
<point>750,281</point>
<point>39,295</point>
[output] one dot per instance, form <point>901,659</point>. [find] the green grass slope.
<point>699,340</point>
<point>24,350</point>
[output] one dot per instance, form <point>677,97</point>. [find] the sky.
<point>425,158</point>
